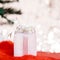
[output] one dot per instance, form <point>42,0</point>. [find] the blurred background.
<point>43,15</point>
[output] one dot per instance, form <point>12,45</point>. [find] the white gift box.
<point>24,43</point>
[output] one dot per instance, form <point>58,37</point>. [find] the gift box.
<point>24,41</point>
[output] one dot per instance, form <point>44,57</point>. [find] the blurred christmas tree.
<point>7,1</point>
<point>4,11</point>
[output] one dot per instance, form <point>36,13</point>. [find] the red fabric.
<point>6,53</point>
<point>7,47</point>
<point>6,50</point>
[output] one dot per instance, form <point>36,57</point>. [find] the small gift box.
<point>24,41</point>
